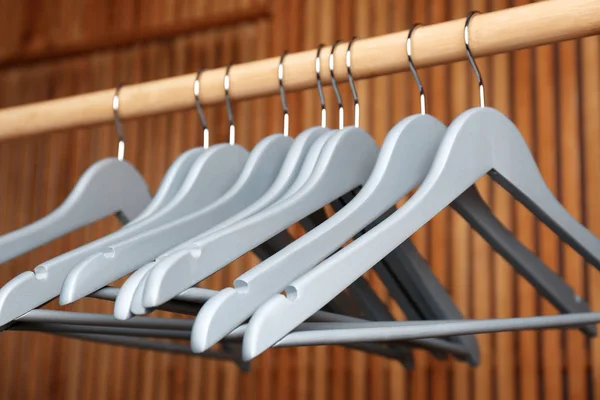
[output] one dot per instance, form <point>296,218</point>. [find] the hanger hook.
<point>228,104</point>
<point>351,82</point>
<point>320,86</point>
<point>199,107</point>
<point>411,65</point>
<point>335,86</point>
<point>118,125</point>
<point>472,60</point>
<point>286,115</point>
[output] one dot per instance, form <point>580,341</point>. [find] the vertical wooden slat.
<point>481,257</point>
<point>438,93</point>
<point>503,291</point>
<point>522,111</point>
<point>548,245</point>
<point>401,91</point>
<point>462,83</point>
<point>420,386</point>
<point>571,182</point>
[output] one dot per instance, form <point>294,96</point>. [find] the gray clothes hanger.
<point>345,162</point>
<point>420,282</point>
<point>258,173</point>
<point>163,264</point>
<point>404,159</point>
<point>479,141</point>
<point>109,186</point>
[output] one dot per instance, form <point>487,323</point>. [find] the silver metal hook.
<point>118,125</point>
<point>286,115</point>
<point>351,82</point>
<point>472,60</point>
<point>335,86</point>
<point>320,86</point>
<point>199,108</point>
<point>411,65</point>
<point>228,104</point>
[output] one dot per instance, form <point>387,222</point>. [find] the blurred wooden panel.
<point>552,94</point>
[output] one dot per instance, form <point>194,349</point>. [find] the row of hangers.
<point>219,202</point>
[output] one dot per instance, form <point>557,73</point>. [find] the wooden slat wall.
<point>551,92</point>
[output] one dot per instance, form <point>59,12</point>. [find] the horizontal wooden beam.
<point>491,33</point>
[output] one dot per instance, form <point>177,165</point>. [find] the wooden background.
<point>57,48</point>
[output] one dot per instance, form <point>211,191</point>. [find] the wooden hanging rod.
<point>491,33</point>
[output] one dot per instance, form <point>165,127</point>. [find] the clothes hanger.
<point>479,141</point>
<point>344,164</point>
<point>109,186</point>
<point>215,322</point>
<point>144,309</point>
<point>420,282</point>
<point>123,257</point>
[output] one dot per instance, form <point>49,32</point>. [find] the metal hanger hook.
<point>335,86</point>
<point>411,65</point>
<point>472,60</point>
<point>118,125</point>
<point>199,108</point>
<point>351,82</point>
<point>320,86</point>
<point>226,86</point>
<point>286,115</point>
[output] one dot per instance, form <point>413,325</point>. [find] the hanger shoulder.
<point>108,187</point>
<point>122,258</point>
<point>338,171</point>
<point>171,182</point>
